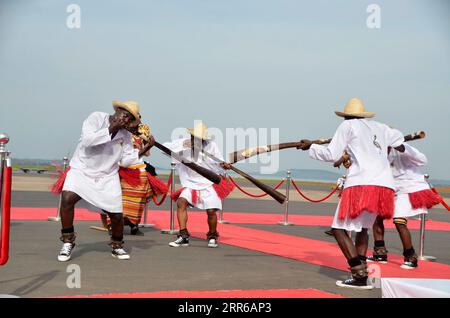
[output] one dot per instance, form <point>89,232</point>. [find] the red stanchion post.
<point>5,199</point>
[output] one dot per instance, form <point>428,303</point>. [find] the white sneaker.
<point>355,284</point>
<point>180,241</point>
<point>66,252</point>
<point>409,265</point>
<point>212,243</point>
<point>120,253</point>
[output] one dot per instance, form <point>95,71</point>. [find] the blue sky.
<point>270,64</point>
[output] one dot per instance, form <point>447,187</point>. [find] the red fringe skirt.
<point>57,187</point>
<point>223,190</point>
<point>424,199</point>
<point>375,199</point>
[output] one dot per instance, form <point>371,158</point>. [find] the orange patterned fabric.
<point>135,197</point>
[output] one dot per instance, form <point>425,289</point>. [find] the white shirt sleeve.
<point>414,156</point>
<point>92,134</point>
<point>394,137</point>
<point>216,153</point>
<point>130,155</point>
<point>175,145</point>
<point>334,151</point>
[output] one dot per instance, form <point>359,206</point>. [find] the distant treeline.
<point>34,162</point>
<point>298,174</point>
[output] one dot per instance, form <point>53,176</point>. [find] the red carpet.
<point>318,220</point>
<point>298,248</point>
<point>39,214</point>
<point>258,293</point>
<point>19,213</point>
<point>302,249</point>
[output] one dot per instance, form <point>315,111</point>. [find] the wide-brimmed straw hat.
<point>355,108</point>
<point>200,131</point>
<point>132,107</point>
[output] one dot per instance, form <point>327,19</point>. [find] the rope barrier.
<point>254,195</point>
<point>163,198</point>
<point>312,200</point>
<point>279,185</point>
<point>442,199</point>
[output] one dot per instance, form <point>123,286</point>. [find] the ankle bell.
<point>359,272</point>
<point>68,237</point>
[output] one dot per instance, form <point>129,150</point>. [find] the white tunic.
<point>408,179</point>
<point>94,166</point>
<point>364,221</point>
<point>207,199</point>
<point>188,177</point>
<point>192,181</point>
<point>366,142</point>
<point>406,170</point>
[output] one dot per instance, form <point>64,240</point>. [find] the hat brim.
<point>361,115</point>
<point>117,105</point>
<point>192,132</point>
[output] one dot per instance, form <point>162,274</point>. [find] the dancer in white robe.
<point>196,190</point>
<point>369,187</point>
<point>412,198</point>
<point>93,173</point>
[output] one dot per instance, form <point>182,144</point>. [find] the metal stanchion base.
<point>171,232</point>
<point>146,225</point>
<point>223,222</point>
<point>285,223</point>
<point>427,258</point>
<point>54,218</point>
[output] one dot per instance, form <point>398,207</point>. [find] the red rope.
<point>254,195</point>
<point>163,198</point>
<point>311,200</point>
<point>442,199</point>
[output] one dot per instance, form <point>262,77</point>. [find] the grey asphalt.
<point>436,243</point>
<point>33,270</point>
<point>46,199</point>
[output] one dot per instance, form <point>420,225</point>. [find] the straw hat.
<point>130,106</point>
<point>355,108</point>
<point>200,131</point>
